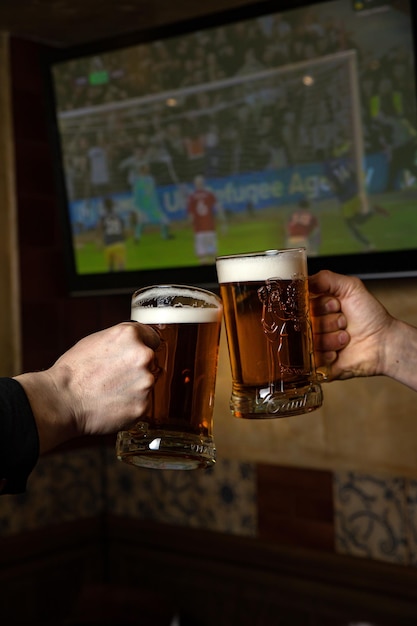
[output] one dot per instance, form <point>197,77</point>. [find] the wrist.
<point>400,352</point>
<point>48,399</point>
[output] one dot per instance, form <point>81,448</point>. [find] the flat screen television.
<point>241,131</point>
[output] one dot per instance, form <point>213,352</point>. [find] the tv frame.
<point>367,265</point>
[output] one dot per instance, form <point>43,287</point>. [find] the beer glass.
<point>176,432</point>
<point>269,335</point>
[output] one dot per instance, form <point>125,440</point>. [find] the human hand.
<point>350,327</point>
<point>99,386</point>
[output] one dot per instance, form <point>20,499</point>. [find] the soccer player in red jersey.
<point>303,229</point>
<point>203,207</point>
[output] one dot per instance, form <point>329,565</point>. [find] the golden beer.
<point>176,431</point>
<point>269,335</point>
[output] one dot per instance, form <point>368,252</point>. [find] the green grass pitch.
<point>261,231</point>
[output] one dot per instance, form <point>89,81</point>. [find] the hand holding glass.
<point>269,335</point>
<point>176,432</point>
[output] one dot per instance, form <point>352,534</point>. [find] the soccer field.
<point>261,231</point>
<point>152,252</point>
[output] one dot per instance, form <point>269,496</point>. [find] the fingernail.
<point>331,306</point>
<point>343,338</point>
<point>341,322</point>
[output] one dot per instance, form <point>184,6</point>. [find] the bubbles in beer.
<point>186,376</point>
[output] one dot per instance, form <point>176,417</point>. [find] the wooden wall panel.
<point>52,321</point>
<point>10,358</point>
<point>114,571</point>
<point>295,506</point>
<point>43,572</point>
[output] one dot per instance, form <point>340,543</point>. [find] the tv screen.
<point>244,131</point>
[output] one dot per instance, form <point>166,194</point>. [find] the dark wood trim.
<point>43,572</point>
<point>235,579</point>
<point>44,543</point>
<point>323,583</point>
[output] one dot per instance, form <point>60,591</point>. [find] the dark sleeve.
<point>19,440</point>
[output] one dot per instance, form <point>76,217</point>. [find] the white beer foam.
<point>175,315</point>
<point>158,292</point>
<point>259,267</point>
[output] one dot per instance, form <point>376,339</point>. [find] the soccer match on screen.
<point>289,129</point>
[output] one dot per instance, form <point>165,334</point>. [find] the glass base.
<point>262,403</point>
<point>161,449</point>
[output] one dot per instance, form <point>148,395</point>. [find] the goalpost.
<point>313,105</point>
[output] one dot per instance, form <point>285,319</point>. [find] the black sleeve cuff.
<point>19,440</point>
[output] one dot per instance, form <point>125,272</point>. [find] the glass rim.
<point>261,253</point>
<point>171,288</point>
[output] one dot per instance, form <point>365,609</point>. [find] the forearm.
<point>400,354</point>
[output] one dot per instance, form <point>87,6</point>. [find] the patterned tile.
<point>411,493</point>
<point>221,499</point>
<point>371,517</point>
<point>64,486</point>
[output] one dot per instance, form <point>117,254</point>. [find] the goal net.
<point>283,117</point>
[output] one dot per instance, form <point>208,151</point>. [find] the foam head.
<point>259,266</point>
<point>175,305</point>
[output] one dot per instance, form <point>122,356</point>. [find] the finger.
<point>322,305</point>
<point>323,368</point>
<point>331,342</point>
<point>326,281</point>
<point>155,369</point>
<point>328,323</point>
<point>148,335</point>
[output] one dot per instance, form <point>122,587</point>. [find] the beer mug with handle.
<point>176,432</point>
<point>269,334</point>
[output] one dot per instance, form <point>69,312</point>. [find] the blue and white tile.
<point>221,499</point>
<point>371,516</point>
<point>64,486</point>
<point>411,493</point>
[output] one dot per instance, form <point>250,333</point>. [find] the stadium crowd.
<point>233,124</point>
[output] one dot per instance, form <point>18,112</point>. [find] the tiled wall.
<point>376,517</point>
<point>221,499</point>
<point>64,487</point>
<point>361,515</point>
<point>82,483</point>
